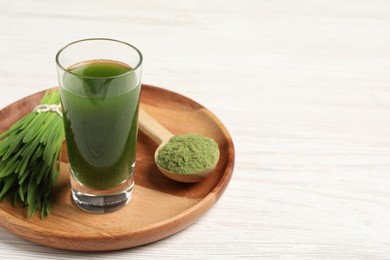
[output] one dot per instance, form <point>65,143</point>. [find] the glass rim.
<point>98,39</point>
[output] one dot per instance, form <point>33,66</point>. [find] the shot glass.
<point>100,81</point>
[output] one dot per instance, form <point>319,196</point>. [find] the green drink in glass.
<point>100,87</point>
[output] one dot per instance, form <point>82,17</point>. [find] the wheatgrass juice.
<point>100,100</point>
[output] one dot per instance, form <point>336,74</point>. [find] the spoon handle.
<point>149,126</point>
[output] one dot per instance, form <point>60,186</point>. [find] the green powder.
<point>191,153</point>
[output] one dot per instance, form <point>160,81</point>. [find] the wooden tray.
<point>159,207</point>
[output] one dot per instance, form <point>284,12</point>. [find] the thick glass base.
<point>102,201</point>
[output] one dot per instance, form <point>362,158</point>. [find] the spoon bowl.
<point>185,177</point>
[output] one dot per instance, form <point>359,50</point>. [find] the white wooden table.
<point>303,87</point>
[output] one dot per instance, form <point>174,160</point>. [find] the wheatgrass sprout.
<point>29,157</point>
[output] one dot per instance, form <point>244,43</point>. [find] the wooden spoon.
<point>161,136</point>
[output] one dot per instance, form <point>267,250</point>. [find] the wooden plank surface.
<point>302,86</point>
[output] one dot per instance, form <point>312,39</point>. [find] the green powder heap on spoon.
<point>190,153</point>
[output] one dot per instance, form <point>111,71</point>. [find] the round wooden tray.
<point>159,207</point>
